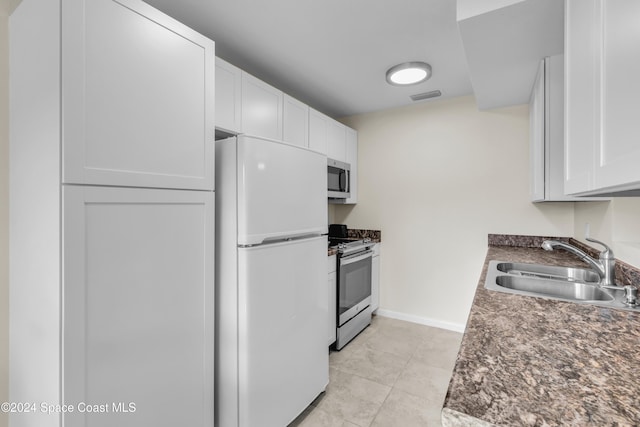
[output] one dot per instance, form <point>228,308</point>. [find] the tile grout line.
<point>393,386</point>
<point>370,343</point>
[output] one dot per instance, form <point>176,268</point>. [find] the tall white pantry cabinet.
<point>111,216</point>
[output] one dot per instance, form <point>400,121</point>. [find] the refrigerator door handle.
<point>281,239</point>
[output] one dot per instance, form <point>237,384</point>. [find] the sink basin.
<point>549,272</point>
<point>560,289</point>
<point>578,285</point>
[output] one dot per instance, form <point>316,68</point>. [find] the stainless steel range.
<point>354,287</point>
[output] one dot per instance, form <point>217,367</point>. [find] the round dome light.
<point>409,73</point>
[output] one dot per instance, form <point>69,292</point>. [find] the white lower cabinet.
<point>375,278</point>
<point>138,298</point>
<point>333,298</point>
<point>129,327</point>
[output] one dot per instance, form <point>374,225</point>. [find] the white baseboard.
<point>456,327</point>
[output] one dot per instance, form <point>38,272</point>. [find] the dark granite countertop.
<point>528,361</point>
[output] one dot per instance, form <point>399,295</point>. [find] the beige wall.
<point>4,206</point>
<point>616,223</point>
<point>436,178</point>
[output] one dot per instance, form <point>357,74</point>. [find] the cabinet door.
<point>318,131</point>
<point>537,137</point>
<point>138,298</point>
<point>332,288</point>
<point>337,141</point>
<point>261,108</point>
<point>554,129</point>
<point>228,97</point>
<point>582,92</point>
<point>618,151</point>
<point>375,279</point>
<point>138,97</point>
<point>352,159</point>
<point>296,122</point>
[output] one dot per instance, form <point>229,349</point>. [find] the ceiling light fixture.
<point>408,73</point>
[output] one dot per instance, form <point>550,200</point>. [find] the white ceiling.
<point>505,46</point>
<point>333,54</point>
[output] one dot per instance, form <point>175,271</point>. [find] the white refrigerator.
<point>271,296</point>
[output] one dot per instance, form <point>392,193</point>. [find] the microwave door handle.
<point>344,181</point>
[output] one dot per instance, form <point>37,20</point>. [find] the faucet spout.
<point>605,265</point>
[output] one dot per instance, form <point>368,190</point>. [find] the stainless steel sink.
<point>549,272</point>
<point>578,285</point>
<point>566,290</point>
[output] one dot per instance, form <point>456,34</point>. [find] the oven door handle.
<point>356,258</point>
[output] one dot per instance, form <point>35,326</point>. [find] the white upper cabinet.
<point>337,141</point>
<point>581,93</point>
<point>137,97</point>
<point>546,110</point>
<point>618,154</point>
<point>352,159</point>
<point>247,105</point>
<point>228,97</point>
<point>602,126</point>
<point>318,131</point>
<point>261,108</point>
<point>327,136</point>
<point>537,122</point>
<point>296,122</point>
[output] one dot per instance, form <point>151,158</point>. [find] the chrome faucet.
<point>605,266</point>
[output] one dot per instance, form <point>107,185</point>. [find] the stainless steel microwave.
<point>338,180</point>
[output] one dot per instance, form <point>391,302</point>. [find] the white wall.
<point>616,223</point>
<point>4,206</point>
<point>436,178</point>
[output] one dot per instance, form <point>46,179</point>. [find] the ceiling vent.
<point>426,95</point>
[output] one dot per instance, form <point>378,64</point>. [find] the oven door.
<point>354,285</point>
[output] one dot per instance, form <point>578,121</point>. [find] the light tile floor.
<point>394,373</point>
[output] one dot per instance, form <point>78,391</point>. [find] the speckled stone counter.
<point>528,361</point>
<point>357,233</point>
